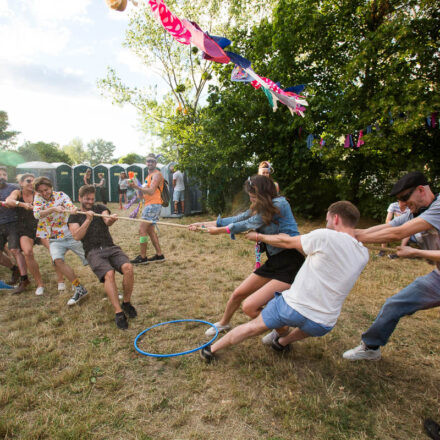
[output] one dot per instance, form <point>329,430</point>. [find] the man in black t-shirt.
<point>103,255</point>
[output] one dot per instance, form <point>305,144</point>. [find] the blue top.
<point>282,223</point>
<point>7,215</point>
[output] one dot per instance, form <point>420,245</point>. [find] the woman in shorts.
<point>269,214</point>
<point>122,188</point>
<point>22,200</point>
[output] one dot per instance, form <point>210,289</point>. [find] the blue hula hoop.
<point>157,355</point>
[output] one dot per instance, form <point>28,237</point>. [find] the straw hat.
<point>118,5</point>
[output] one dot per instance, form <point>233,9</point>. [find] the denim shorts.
<point>179,195</point>
<point>58,248</point>
<point>152,212</point>
<point>278,313</point>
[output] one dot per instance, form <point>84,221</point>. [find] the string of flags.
<point>213,49</point>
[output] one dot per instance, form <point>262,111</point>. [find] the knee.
<point>249,309</point>
<point>238,295</point>
<point>127,269</point>
<point>28,253</point>
<point>109,276</point>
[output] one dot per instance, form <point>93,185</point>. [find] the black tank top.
<point>25,217</point>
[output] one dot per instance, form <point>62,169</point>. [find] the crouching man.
<point>312,305</point>
<point>102,254</point>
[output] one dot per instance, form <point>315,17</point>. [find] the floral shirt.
<point>53,225</point>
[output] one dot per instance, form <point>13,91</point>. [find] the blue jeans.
<point>421,294</point>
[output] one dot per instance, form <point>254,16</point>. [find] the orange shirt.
<point>155,198</point>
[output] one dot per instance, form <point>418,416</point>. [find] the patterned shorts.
<point>152,212</point>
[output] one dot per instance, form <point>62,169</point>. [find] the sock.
<point>14,268</point>
<point>372,347</point>
<point>23,277</point>
<point>76,282</point>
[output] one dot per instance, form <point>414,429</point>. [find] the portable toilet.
<point>115,172</point>
<point>139,171</point>
<point>38,169</point>
<point>102,168</point>
<point>64,178</point>
<point>79,172</point>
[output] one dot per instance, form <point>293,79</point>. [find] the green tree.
<point>42,151</point>
<point>131,158</point>
<point>7,137</point>
<point>75,150</point>
<point>100,151</point>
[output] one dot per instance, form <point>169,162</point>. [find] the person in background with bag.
<point>152,191</point>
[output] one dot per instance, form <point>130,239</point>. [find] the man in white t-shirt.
<point>312,305</point>
<point>179,191</point>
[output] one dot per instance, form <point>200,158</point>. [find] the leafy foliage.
<point>100,151</point>
<point>6,136</point>
<point>42,151</point>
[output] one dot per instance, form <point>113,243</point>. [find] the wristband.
<point>228,230</point>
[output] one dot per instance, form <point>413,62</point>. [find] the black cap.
<point>410,180</point>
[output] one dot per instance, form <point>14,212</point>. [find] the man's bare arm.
<point>278,240</point>
<point>389,233</point>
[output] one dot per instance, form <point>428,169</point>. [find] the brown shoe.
<point>15,277</point>
<point>21,287</point>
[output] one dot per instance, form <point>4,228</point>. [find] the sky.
<point>52,52</point>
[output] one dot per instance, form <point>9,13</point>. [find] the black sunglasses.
<point>29,180</point>
<point>406,196</point>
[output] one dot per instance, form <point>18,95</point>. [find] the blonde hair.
<point>266,164</point>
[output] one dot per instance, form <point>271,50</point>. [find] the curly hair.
<point>264,190</point>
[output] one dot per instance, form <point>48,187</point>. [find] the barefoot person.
<point>52,209</point>
<point>9,235</point>
<point>268,214</point>
<point>312,305</point>
<point>424,292</point>
<point>103,256</point>
<point>153,205</point>
<point>22,200</point>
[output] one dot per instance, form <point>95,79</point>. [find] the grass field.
<point>69,373</point>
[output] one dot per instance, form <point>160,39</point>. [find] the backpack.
<point>165,194</point>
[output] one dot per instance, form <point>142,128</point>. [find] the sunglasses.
<point>29,180</point>
<point>406,196</point>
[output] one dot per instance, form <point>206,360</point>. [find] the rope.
<point>175,225</point>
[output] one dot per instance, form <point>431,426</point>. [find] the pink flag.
<point>172,24</point>
<point>347,141</point>
<point>360,140</point>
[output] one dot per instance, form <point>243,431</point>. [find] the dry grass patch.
<point>69,373</point>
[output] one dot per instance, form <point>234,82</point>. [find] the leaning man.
<point>424,292</point>
<point>103,255</point>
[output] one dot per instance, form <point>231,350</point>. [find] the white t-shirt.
<point>333,264</point>
<point>178,177</point>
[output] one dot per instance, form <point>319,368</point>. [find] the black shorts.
<point>9,234</point>
<point>122,191</point>
<point>282,266</point>
<point>104,260</point>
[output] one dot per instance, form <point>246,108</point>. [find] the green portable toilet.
<point>115,172</point>
<point>102,168</point>
<point>78,172</point>
<point>64,178</point>
<point>138,170</point>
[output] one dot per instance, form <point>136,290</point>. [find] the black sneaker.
<point>381,253</point>
<point>121,321</point>
<point>80,293</point>
<point>129,309</point>
<point>393,256</point>
<point>207,355</point>
<point>278,347</point>
<point>157,258</point>
<point>139,260</point>
<point>432,429</point>
<point>15,276</point>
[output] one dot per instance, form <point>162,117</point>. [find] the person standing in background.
<point>122,188</point>
<point>179,191</point>
<point>102,188</point>
<point>265,169</point>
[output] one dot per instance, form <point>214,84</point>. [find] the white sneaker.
<point>270,337</point>
<point>361,352</point>
<point>61,287</point>
<point>221,328</point>
<point>39,291</point>
<point>80,293</point>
